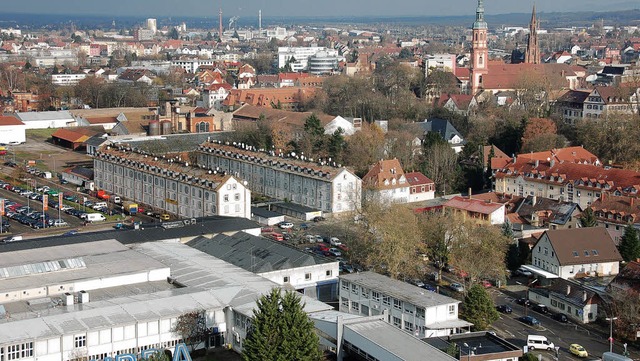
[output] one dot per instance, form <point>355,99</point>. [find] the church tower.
<point>532,55</point>
<point>479,50</point>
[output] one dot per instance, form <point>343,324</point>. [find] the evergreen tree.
<point>336,145</point>
<point>281,330</point>
<point>488,174</point>
<point>173,34</point>
<point>479,308</point>
<point>629,246</point>
<point>588,218</point>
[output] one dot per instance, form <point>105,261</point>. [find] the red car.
<point>343,247</point>
<point>486,284</point>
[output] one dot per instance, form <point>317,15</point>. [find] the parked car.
<point>561,317</point>
<point>304,226</point>
<point>430,288</point>
<point>335,252</point>
<point>523,272</point>
<point>334,241</point>
<point>486,284</point>
<point>504,309</point>
<point>60,223</point>
<point>70,233</point>
<point>318,219</point>
<point>418,283</point>
<point>285,225</point>
<point>578,350</point>
<point>540,309</point>
<point>343,247</point>
<point>456,287</point>
<point>529,320</point>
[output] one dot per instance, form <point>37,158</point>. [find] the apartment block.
<point>317,185</point>
<point>170,184</point>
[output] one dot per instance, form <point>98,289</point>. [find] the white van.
<point>93,217</point>
<point>12,239</point>
<point>99,205</point>
<point>539,343</point>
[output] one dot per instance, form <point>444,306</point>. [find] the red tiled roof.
<point>417,178</point>
<point>385,174</point>
<point>9,120</point>
<point>509,76</point>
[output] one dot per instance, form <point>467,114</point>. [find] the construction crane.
<point>233,21</point>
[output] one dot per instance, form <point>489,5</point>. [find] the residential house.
<point>290,79</point>
<point>614,213</point>
<point>571,105</point>
<point>26,101</point>
<point>12,130</point>
<point>289,98</point>
<point>575,253</point>
<point>309,274</point>
<point>410,308</point>
<point>560,57</point>
<point>445,130</point>
<point>548,213</point>
<point>578,303</point>
<point>137,76</point>
<point>461,104</point>
<point>605,101</point>
<point>421,188</point>
<point>174,187</point>
<point>246,77</point>
<point>580,183</point>
<point>476,210</point>
<point>385,182</point>
<point>319,185</point>
<point>214,95</point>
<point>94,143</point>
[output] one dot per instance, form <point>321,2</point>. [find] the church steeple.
<point>479,50</point>
<point>532,56</point>
<point>480,23</point>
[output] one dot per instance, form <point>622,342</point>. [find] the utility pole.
<point>611,319</point>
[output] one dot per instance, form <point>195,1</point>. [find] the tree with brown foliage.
<point>540,134</point>
<point>364,148</point>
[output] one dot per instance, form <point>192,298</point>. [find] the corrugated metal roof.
<point>45,116</point>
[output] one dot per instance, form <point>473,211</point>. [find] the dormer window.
<point>594,252</point>
<point>586,253</point>
<point>575,253</point>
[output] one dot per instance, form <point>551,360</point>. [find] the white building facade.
<point>410,308</point>
<point>67,79</point>
<point>327,188</point>
<point>300,56</point>
<point>174,187</point>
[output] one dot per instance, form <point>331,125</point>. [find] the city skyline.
<point>296,8</point>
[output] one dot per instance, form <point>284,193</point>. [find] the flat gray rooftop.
<point>398,289</point>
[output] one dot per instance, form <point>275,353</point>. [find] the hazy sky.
<point>278,8</point>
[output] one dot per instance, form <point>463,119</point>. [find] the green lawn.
<point>40,134</point>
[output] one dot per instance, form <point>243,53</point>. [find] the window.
<point>345,285</point>
<point>24,350</point>
<point>397,321</point>
<point>364,292</point>
<point>397,304</point>
<point>226,198</point>
<point>575,253</point>
<point>594,252</point>
<point>80,341</point>
<point>354,288</point>
<point>307,276</point>
<point>345,302</point>
<point>386,300</point>
<point>452,309</point>
<point>408,326</point>
<point>285,279</point>
<point>329,273</point>
<point>420,312</point>
<point>355,306</point>
<point>375,295</point>
<point>237,197</point>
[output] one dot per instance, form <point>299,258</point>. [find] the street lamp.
<point>611,319</point>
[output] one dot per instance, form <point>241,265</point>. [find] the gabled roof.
<point>577,246</point>
<point>101,120</point>
<point>511,76</point>
<point>574,96</point>
<point>75,135</point>
<point>6,120</point>
<point>440,126</point>
<point>417,179</point>
<point>627,208</point>
<point>81,172</point>
<point>385,174</point>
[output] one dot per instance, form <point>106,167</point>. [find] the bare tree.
<point>192,328</point>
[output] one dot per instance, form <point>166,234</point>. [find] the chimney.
<point>568,289</point>
<point>534,200</point>
<point>631,202</point>
<point>67,298</point>
<point>469,192</point>
<point>514,158</point>
<point>584,296</point>
<point>83,297</point>
<point>537,163</point>
<point>603,196</point>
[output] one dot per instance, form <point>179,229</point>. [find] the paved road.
<point>561,334</point>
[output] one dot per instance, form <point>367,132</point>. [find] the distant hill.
<point>548,20</point>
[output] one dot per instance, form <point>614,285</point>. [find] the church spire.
<point>532,56</point>
<point>480,23</point>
